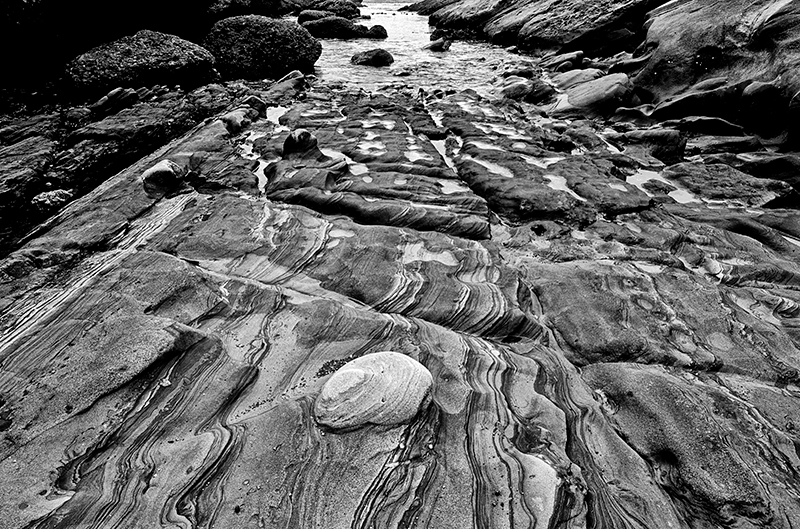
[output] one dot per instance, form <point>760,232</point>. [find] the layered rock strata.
<point>609,343</point>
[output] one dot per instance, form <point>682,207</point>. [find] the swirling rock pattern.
<point>602,347</point>
<point>378,388</point>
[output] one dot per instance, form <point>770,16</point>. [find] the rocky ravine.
<point>599,325</point>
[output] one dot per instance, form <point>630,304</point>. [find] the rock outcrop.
<point>257,47</point>
<point>145,59</point>
<point>45,34</point>
<point>597,26</point>
<point>342,28</point>
<point>304,304</point>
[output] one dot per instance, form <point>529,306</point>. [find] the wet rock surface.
<point>305,304</point>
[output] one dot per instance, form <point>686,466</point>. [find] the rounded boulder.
<point>257,47</point>
<point>147,58</point>
<point>384,388</point>
<point>376,57</point>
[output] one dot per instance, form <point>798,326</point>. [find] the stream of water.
<point>465,65</point>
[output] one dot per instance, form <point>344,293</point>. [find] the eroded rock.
<point>385,388</point>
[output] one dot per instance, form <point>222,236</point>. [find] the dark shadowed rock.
<point>342,28</point>
<point>145,59</point>
<point>339,8</point>
<point>313,14</point>
<point>598,27</point>
<point>438,45</point>
<point>595,98</point>
<point>524,89</point>
<point>376,57</point>
<point>64,30</point>
<point>255,47</point>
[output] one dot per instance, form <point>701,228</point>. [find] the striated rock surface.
<point>577,333</point>
<point>384,388</point>
<point>583,322</point>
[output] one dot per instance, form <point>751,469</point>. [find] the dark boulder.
<point>595,98</point>
<point>340,8</point>
<point>312,14</point>
<point>255,47</point>
<point>342,28</point>
<point>147,58</point>
<point>45,34</point>
<point>376,57</point>
<point>442,44</point>
<point>533,90</point>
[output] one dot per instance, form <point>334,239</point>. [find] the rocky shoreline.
<point>295,303</point>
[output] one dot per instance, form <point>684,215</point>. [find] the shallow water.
<point>465,65</point>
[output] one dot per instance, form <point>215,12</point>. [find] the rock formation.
<point>336,27</point>
<point>256,47</point>
<point>144,59</point>
<point>568,299</point>
<point>384,388</point>
<point>376,57</point>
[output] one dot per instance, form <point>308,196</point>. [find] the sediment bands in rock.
<point>384,388</point>
<point>597,340</point>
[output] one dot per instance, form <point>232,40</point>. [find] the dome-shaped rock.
<point>378,388</point>
<point>376,57</point>
<point>256,47</point>
<point>145,59</point>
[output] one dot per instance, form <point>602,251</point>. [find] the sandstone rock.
<point>50,201</point>
<point>163,178</point>
<point>689,43</point>
<point>313,14</point>
<point>438,45</point>
<point>571,78</point>
<point>722,182</point>
<point>145,59</point>
<point>376,57</point>
<point>530,90</point>
<point>22,173</point>
<point>665,145</point>
<point>342,28</point>
<point>595,98</point>
<point>384,388</point>
<point>597,27</point>
<point>256,47</point>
